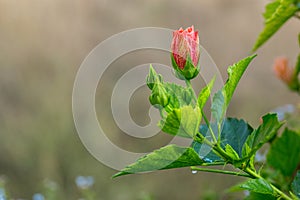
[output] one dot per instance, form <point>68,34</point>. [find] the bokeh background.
<point>42,44</point>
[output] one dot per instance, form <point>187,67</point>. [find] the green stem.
<point>223,153</point>
<point>189,86</point>
<point>219,171</point>
<point>201,139</point>
<point>254,174</point>
<point>219,133</point>
<point>214,164</point>
<point>216,148</point>
<point>188,83</point>
<point>209,127</point>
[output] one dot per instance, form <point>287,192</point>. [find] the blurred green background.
<point>42,44</point>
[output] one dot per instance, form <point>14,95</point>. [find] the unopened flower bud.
<point>185,53</point>
<point>153,78</point>
<point>159,96</point>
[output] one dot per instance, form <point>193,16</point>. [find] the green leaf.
<point>205,93</point>
<point>296,184</point>
<point>167,157</point>
<point>255,185</point>
<point>223,97</point>
<point>256,196</point>
<point>182,122</point>
<point>231,152</point>
<point>274,176</point>
<point>179,96</point>
<point>234,133</point>
<point>265,132</point>
<point>218,106</point>
<point>277,13</point>
<point>235,73</point>
<point>271,9</point>
<point>284,153</point>
<point>248,157</point>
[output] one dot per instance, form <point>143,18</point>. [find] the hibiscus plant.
<point>225,141</point>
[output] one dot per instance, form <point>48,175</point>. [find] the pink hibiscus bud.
<point>185,53</point>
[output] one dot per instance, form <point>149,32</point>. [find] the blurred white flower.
<point>283,110</point>
<point>2,194</point>
<point>260,157</point>
<point>84,182</point>
<point>246,193</point>
<point>50,184</point>
<point>38,196</point>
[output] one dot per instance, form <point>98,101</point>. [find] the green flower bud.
<point>159,96</point>
<point>153,78</point>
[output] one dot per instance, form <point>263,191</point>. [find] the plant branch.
<point>250,174</point>
<point>214,164</point>
<point>216,148</point>
<point>254,174</point>
<point>220,171</point>
<point>203,140</point>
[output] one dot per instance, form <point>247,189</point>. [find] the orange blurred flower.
<point>283,71</point>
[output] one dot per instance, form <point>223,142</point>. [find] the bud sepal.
<point>189,71</point>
